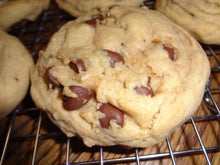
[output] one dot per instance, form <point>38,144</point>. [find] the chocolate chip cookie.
<point>15,65</point>
<point>12,12</point>
<point>128,76</point>
<point>79,7</point>
<point>201,18</point>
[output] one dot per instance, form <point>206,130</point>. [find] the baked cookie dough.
<point>201,18</point>
<point>12,12</point>
<point>79,7</point>
<point>126,77</point>
<point>15,64</point>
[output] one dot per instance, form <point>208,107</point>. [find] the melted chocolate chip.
<point>142,90</point>
<point>94,18</point>
<point>78,66</point>
<point>115,58</point>
<point>51,79</point>
<point>81,65</point>
<point>170,52</point>
<point>74,67</point>
<point>83,96</point>
<point>111,113</point>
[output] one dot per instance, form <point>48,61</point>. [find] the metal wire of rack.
<point>39,134</point>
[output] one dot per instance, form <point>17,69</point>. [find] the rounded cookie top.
<point>14,11</point>
<point>80,7</point>
<point>15,65</point>
<point>201,18</point>
<point>129,77</point>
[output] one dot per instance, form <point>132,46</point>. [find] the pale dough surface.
<point>139,35</point>
<point>201,18</point>
<point>79,7</point>
<point>12,12</point>
<point>15,64</point>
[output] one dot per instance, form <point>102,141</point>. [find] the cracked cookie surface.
<point>200,17</point>
<point>125,77</point>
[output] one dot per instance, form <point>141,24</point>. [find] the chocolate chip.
<point>79,66</point>
<point>111,113</point>
<point>170,52</point>
<point>142,90</point>
<point>51,79</point>
<point>115,57</point>
<point>74,67</point>
<point>149,80</point>
<point>94,18</point>
<point>83,96</point>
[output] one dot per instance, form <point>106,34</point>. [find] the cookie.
<point>15,64</point>
<point>80,7</point>
<point>126,77</point>
<point>200,18</point>
<point>12,12</point>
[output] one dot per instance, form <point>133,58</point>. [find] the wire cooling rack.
<point>28,137</point>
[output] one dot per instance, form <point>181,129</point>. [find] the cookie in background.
<point>12,12</point>
<point>80,7</point>
<point>201,18</point>
<point>15,64</point>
